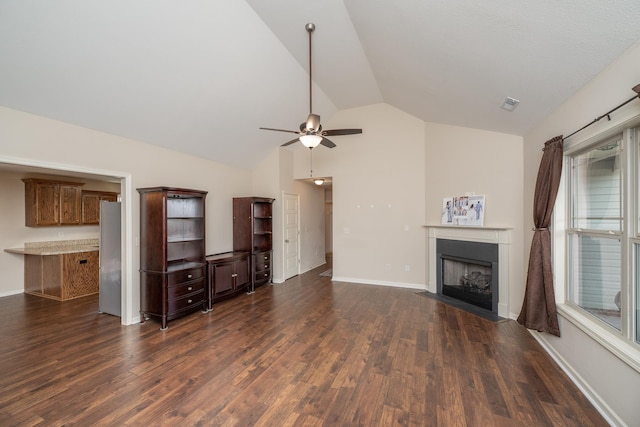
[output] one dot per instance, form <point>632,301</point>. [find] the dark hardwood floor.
<point>307,352</point>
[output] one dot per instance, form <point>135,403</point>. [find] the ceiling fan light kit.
<point>318,181</point>
<point>310,141</point>
<point>311,134</point>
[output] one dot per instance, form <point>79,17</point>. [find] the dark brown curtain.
<point>539,306</point>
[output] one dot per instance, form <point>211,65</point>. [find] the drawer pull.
<point>266,257</point>
<point>189,288</point>
<point>266,274</point>
<point>266,266</point>
<point>234,275</point>
<point>189,301</point>
<point>189,276</point>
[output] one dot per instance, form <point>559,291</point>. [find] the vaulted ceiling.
<point>201,76</point>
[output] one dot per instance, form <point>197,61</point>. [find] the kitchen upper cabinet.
<point>52,202</point>
<point>91,204</point>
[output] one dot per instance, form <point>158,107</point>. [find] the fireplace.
<point>468,271</point>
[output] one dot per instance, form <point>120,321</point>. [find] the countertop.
<point>56,247</point>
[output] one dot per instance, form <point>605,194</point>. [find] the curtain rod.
<point>636,89</point>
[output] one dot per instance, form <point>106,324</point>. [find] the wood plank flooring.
<point>307,352</point>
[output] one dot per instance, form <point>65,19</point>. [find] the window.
<point>596,237</point>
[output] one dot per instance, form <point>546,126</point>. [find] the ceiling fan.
<point>311,134</point>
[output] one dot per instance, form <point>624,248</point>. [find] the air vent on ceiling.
<point>510,104</point>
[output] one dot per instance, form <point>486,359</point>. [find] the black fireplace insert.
<point>468,271</point>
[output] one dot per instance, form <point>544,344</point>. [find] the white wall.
<point>463,160</point>
<point>29,139</point>
<point>613,384</point>
<point>378,195</point>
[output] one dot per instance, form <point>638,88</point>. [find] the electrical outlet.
<point>388,266</point>
<point>407,267</point>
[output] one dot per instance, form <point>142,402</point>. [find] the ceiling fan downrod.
<point>310,27</point>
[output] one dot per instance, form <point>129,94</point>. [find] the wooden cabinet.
<point>63,276</point>
<point>253,233</point>
<point>228,274</point>
<point>172,253</point>
<point>91,204</point>
<point>52,202</point>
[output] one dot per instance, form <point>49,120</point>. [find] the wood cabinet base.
<point>227,275</point>
<point>61,277</point>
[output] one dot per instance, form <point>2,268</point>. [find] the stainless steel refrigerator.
<point>110,258</point>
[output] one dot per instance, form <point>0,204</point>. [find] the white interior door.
<point>291,233</point>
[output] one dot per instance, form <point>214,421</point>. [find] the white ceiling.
<point>201,76</point>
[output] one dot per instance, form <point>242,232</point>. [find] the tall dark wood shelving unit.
<point>172,253</point>
<point>253,233</point>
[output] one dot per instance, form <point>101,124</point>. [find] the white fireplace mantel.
<point>497,235</point>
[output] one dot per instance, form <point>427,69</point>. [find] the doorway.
<point>24,165</point>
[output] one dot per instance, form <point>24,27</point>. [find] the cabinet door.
<point>242,273</point>
<point>70,202</point>
<point>47,204</point>
<point>222,275</point>
<point>90,208</point>
<point>80,274</point>
<point>91,205</point>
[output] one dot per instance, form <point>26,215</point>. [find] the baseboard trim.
<point>7,294</point>
<point>420,286</point>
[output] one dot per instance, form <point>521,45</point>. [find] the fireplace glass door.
<point>468,280</point>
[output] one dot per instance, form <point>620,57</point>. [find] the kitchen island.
<point>60,270</point>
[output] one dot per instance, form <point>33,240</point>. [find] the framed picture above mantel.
<point>467,210</point>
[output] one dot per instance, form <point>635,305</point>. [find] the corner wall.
<point>389,182</point>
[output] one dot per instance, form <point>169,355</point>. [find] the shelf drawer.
<point>262,256</point>
<point>262,276</point>
<point>262,261</point>
<point>183,276</point>
<point>186,302</point>
<point>186,289</point>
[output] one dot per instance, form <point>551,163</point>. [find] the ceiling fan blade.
<point>336,132</point>
<point>281,130</point>
<point>313,123</point>
<point>293,141</point>
<point>327,143</point>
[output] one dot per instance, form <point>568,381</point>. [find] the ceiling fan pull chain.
<point>311,162</point>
